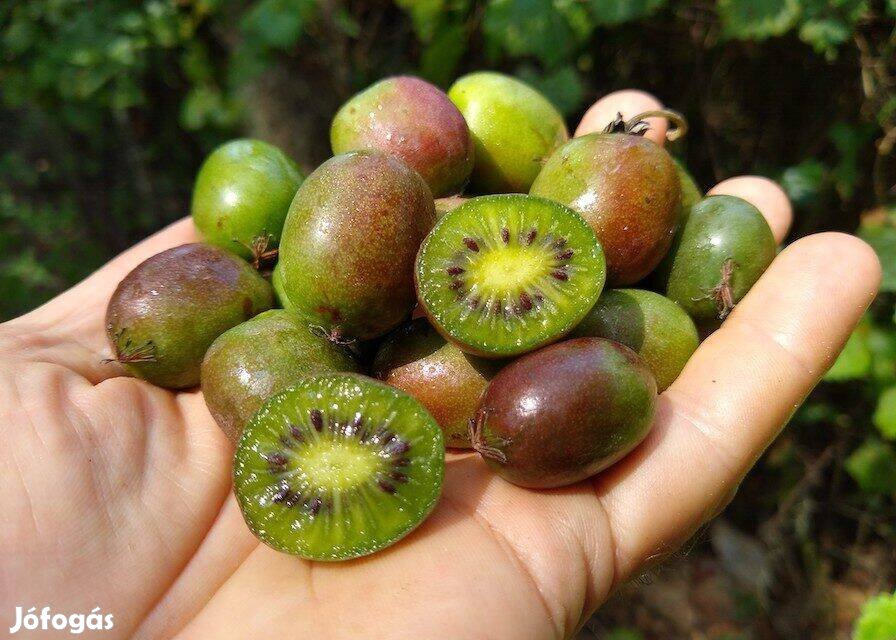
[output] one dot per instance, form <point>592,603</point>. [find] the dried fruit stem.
<point>638,126</point>
<point>479,443</point>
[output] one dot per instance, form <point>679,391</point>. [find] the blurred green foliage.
<point>107,107</point>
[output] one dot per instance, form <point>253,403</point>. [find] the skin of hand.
<point>115,493</point>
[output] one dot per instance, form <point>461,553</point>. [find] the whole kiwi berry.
<point>241,197</point>
<point>651,325</point>
<point>259,358</point>
<point>564,413</point>
<point>691,193</point>
<point>514,129</point>
<point>414,121</point>
<point>722,248</point>
<point>349,244</point>
<point>628,190</point>
<point>444,379</point>
<point>167,311</point>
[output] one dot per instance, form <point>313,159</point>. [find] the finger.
<point>764,194</point>
<point>69,329</point>
<point>628,102</point>
<point>735,394</point>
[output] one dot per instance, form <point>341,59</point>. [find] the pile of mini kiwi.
<point>458,274</point>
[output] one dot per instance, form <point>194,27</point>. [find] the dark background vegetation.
<point>107,107</point>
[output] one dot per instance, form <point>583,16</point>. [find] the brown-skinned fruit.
<point>564,413</point>
<point>628,190</point>
<point>447,381</point>
<point>168,310</point>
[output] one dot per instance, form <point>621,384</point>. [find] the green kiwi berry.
<point>514,127</point>
<point>651,325</point>
<point>257,359</point>
<point>241,196</point>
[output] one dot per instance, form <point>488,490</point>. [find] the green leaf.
<point>426,16</point>
<point>440,58</point>
<point>884,417</point>
<point>804,183</point>
<point>757,19</point>
<point>611,12</point>
<point>277,23</point>
<point>854,361</point>
<point>563,87</point>
<point>882,239</point>
<point>873,467</point>
<point>878,619</point>
<point>825,35</point>
<point>528,28</point>
<point>621,633</point>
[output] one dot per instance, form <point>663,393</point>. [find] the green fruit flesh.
<point>447,381</point>
<point>564,413</point>
<point>347,254</point>
<point>171,307</point>
<point>338,466</point>
<point>242,194</point>
<point>628,190</point>
<point>257,359</point>
<point>502,275</point>
<point>514,129</point>
<point>721,250</point>
<point>651,325</point>
<point>414,121</point>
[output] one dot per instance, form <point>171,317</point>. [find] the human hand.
<point>115,493</point>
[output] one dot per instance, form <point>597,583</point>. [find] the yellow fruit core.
<point>336,464</point>
<point>511,268</point>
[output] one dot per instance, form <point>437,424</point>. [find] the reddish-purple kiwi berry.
<point>171,307</point>
<point>414,121</point>
<point>564,413</point>
<point>349,243</point>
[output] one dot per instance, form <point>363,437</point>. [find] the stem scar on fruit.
<point>145,352</point>
<point>638,125</point>
<point>722,294</point>
<point>261,255</point>
<point>479,443</point>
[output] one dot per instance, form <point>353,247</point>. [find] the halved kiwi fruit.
<point>338,466</point>
<point>502,275</point>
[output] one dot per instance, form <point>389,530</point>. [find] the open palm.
<point>115,493</point>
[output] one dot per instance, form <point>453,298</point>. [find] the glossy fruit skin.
<point>172,306</point>
<point>566,412</point>
<point>349,244</point>
<point>720,233</point>
<point>444,379</point>
<point>258,359</point>
<point>628,190</point>
<point>414,121</point>
<point>651,325</point>
<point>243,191</point>
<point>690,190</point>
<point>514,129</point>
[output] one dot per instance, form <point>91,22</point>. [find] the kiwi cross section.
<point>338,466</point>
<point>501,275</point>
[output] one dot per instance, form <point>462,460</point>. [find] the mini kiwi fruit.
<point>167,311</point>
<point>502,275</point>
<point>338,466</point>
<point>447,381</point>
<point>241,196</point>
<point>414,121</point>
<point>650,324</point>
<point>626,187</point>
<point>565,412</point>
<point>721,250</point>
<point>257,359</point>
<point>349,242</point>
